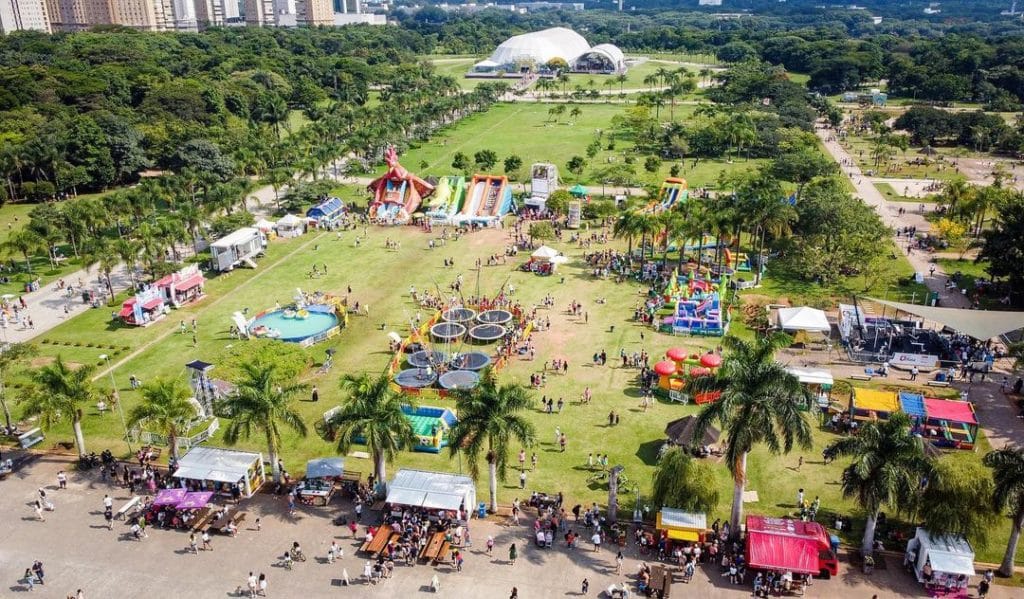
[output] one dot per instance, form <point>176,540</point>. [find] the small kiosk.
<point>219,470</point>
<point>322,475</point>
<point>290,226</point>
<point>818,382</point>
<point>950,558</point>
<point>432,491</point>
<point>677,525</point>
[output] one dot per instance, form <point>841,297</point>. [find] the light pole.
<point>117,400</point>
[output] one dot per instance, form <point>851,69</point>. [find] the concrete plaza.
<point>79,552</point>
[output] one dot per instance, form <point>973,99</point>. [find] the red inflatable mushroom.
<point>665,368</point>
<point>711,360</point>
<point>676,354</point>
<point>696,372</point>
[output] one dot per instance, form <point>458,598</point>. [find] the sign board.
<point>911,360</point>
<point>575,214</point>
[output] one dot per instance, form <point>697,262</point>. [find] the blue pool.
<point>292,325</point>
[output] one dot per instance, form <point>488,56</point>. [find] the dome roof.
<point>541,46</point>
<point>612,53</point>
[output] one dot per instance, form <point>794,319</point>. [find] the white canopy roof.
<point>540,47</point>
<point>264,224</point>
<point>951,554</point>
<point>400,496</point>
<point>432,490</point>
<point>289,220</point>
<point>242,235</point>
<point>811,377</point>
<point>681,519</point>
<point>609,51</point>
<point>980,324</point>
<point>544,253</point>
<point>443,501</point>
<point>212,463</point>
<point>803,318</point>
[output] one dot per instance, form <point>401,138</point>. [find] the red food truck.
<point>787,545</point>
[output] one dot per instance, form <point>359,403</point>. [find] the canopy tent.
<point>325,467</point>
<point>195,500</point>
<point>980,324</point>
<point>544,253</point>
<point>785,545</point>
<point>169,497</point>
<point>290,226</point>
<point>912,404</point>
<point>265,225</point>
<point>803,318</point>
<point>578,190</point>
<point>950,409</point>
<point>223,467</point>
<point>682,432</point>
<point>432,490</point>
<point>950,555</point>
<point>812,377</point>
<point>682,526</point>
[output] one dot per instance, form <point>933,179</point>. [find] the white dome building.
<point>529,51</point>
<point>602,58</point>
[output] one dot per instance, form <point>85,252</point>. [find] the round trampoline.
<point>494,317</point>
<point>423,358</point>
<point>447,331</point>
<point>294,326</point>
<point>473,360</point>
<point>487,332</point>
<point>458,315</point>
<point>416,378</point>
<point>459,379</point>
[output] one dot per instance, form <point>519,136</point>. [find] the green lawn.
<point>14,217</point>
<point>967,267</point>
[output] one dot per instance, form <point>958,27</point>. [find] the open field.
<point>381,278</point>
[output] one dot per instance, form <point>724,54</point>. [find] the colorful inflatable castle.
<point>674,191</point>
<point>488,198</point>
<point>447,200</point>
<point>696,304</point>
<point>397,193</point>
<point>679,369</point>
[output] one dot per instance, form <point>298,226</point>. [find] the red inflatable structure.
<point>397,193</point>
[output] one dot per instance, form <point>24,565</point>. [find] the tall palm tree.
<point>490,419</point>
<point>888,466</point>
<point>104,256</point>
<point>165,409</point>
<point>758,405</point>
<point>24,242</point>
<point>262,402</point>
<point>1007,466</point>
<point>58,392</point>
<point>373,413</point>
<point>626,227</point>
<point>11,354</point>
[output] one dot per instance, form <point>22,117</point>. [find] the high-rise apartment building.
<point>259,13</point>
<point>311,13</point>
<point>24,15</point>
<point>145,15</point>
<point>73,15</point>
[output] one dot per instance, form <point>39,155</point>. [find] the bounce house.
<point>431,425</point>
<point>679,368</point>
<point>950,423</point>
<point>696,306</point>
<point>738,262</point>
<point>673,191</point>
<point>447,200</point>
<point>488,198</point>
<point>397,193</point>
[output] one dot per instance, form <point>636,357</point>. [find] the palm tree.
<point>24,242</point>
<point>626,227</point>
<point>105,257</point>
<point>490,419</point>
<point>1007,466</point>
<point>262,402</point>
<point>58,393</point>
<point>166,409</point>
<point>373,413</point>
<point>758,405</point>
<point>11,354</point>
<point>887,469</point>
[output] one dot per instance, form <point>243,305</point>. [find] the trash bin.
<point>481,510</point>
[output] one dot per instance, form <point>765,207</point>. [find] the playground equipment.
<point>696,307</point>
<point>489,198</point>
<point>447,199</point>
<point>943,422</point>
<point>673,191</point>
<point>738,262</point>
<point>397,193</point>
<point>679,369</point>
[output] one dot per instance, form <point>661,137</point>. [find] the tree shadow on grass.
<point>648,451</point>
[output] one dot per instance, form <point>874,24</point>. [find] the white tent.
<point>265,225</point>
<point>544,253</point>
<point>291,226</point>
<point>432,490</point>
<point>950,556</point>
<point>811,377</point>
<point>222,467</point>
<point>803,318</point>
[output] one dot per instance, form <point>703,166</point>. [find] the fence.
<point>184,443</point>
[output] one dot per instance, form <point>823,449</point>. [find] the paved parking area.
<point>78,551</point>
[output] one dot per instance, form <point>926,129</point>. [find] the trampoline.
<point>293,325</point>
<point>473,360</point>
<point>416,378</point>
<point>447,331</point>
<point>458,315</point>
<point>459,379</point>
<point>494,317</point>
<point>487,332</point>
<point>424,358</point>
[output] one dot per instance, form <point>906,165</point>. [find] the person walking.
<point>533,461</point>
<point>522,479</point>
<point>515,593</point>
<point>913,373</point>
<point>618,563</point>
<point>108,515</point>
<point>585,587</point>
<point>512,554</point>
<point>192,544</point>
<point>206,541</point>
<point>37,569</point>
<point>252,583</point>
<point>62,480</point>
<point>596,540</point>
<point>262,585</point>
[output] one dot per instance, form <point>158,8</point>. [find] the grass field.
<point>381,278</point>
<point>14,217</point>
<point>893,195</point>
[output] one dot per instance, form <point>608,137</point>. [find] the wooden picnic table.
<point>379,540</point>
<point>222,522</point>
<point>433,547</point>
<point>203,518</point>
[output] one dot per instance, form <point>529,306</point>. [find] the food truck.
<point>786,545</point>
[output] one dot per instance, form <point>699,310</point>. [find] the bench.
<point>937,383</point>
<point>30,438</point>
<point>444,553</point>
<point>223,520</point>
<point>860,377</point>
<point>203,519</point>
<point>433,547</point>
<point>134,501</point>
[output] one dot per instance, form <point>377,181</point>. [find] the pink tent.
<point>195,501</point>
<point>950,409</point>
<point>169,497</point>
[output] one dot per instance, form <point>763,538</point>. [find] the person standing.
<point>618,563</point>
<point>562,441</point>
<point>206,541</point>
<point>533,461</point>
<point>913,373</point>
<point>315,395</point>
<point>192,544</point>
<point>490,544</point>
<point>585,587</point>
<point>252,584</point>
<point>262,582</point>
<point>512,554</point>
<point>596,540</point>
<point>522,479</point>
<point>62,480</point>
<point>37,569</point>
